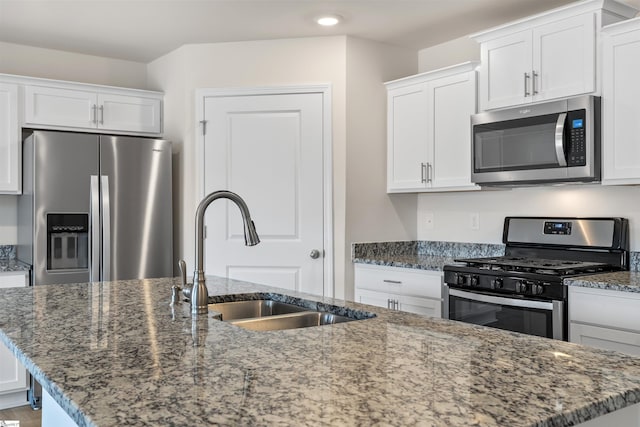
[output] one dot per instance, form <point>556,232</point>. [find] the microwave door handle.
<point>562,160</point>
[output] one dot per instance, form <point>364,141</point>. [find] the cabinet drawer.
<point>425,306</point>
<point>13,280</point>
<point>604,307</point>
<point>405,281</point>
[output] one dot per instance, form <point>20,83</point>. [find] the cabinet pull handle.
<point>102,114</point>
<point>396,282</point>
<point>429,172</point>
<point>423,172</point>
<point>526,85</point>
<point>396,305</point>
<point>94,114</point>
<point>535,75</point>
<point>389,303</point>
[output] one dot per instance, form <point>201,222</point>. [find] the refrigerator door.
<point>61,169</point>
<point>136,208</point>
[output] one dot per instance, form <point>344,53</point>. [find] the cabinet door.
<point>606,338</point>
<point>505,73</point>
<point>620,108</point>
<point>10,143</point>
<point>379,299</point>
<point>452,101</point>
<point>406,138</point>
<point>60,107</point>
<point>424,306</point>
<point>564,58</point>
<point>129,113</point>
<point>13,375</point>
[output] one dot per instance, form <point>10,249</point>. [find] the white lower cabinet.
<point>605,319</point>
<point>13,375</point>
<point>404,289</point>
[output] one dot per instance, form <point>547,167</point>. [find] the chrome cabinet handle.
<point>423,172</point>
<point>535,75</point>
<point>389,303</point>
<point>396,305</point>
<point>397,282</point>
<point>429,172</point>
<point>102,114</point>
<point>94,113</point>
<point>526,84</point>
<point>315,254</point>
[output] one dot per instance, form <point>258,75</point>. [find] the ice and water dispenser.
<point>67,241</point>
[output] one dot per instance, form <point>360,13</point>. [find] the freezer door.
<point>136,207</point>
<point>62,167</point>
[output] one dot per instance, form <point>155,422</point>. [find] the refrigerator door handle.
<point>94,217</point>
<point>106,229</point>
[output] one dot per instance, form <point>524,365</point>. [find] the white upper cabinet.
<point>10,143</point>
<point>90,107</point>
<point>428,138</point>
<point>621,103</point>
<point>547,56</point>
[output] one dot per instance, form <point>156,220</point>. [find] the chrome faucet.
<point>199,292</point>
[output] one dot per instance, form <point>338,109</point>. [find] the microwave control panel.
<point>576,139</point>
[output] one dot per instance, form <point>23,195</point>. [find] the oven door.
<point>541,318</point>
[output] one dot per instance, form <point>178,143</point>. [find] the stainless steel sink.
<point>266,314</point>
<point>290,321</point>
<point>253,308</point>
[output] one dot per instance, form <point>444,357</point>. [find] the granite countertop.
<point>116,353</point>
<point>625,281</point>
<point>8,265</point>
<point>420,262</point>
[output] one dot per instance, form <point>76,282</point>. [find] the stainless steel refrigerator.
<point>95,207</point>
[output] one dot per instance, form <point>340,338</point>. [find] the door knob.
<point>315,254</point>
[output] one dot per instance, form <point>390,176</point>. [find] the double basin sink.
<point>267,314</point>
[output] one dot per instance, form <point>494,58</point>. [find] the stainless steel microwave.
<point>551,142</point>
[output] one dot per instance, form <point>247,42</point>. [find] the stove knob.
<point>521,287</point>
<point>461,280</point>
<point>537,289</point>
<point>496,283</point>
<point>474,280</point>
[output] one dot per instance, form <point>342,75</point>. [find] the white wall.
<point>59,65</point>
<point>372,214</point>
<point>283,63</point>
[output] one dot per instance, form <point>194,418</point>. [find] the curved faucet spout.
<point>199,293</point>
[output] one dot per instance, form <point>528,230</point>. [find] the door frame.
<point>327,155</point>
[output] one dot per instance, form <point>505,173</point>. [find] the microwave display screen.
<point>577,124</point>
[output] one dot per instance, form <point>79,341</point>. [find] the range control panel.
<point>557,227</point>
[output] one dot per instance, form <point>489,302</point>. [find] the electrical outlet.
<point>428,220</point>
<point>474,221</point>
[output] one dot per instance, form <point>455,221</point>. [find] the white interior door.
<point>269,150</point>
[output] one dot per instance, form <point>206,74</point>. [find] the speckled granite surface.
<point>626,281</point>
<point>117,354</point>
<point>8,260</point>
<point>7,252</point>
<point>424,255</point>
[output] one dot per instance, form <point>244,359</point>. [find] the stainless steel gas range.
<point>523,290</point>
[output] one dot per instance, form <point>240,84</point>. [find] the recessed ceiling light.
<point>328,20</point>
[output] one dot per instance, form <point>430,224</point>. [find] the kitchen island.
<point>116,354</point>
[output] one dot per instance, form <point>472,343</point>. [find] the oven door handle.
<point>511,302</point>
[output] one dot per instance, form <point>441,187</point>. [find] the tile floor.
<point>27,416</point>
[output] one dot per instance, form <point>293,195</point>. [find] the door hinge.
<point>204,126</point>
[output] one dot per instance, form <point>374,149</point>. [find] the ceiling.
<point>143,30</point>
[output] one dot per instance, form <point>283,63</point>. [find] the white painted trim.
<point>327,149</point>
